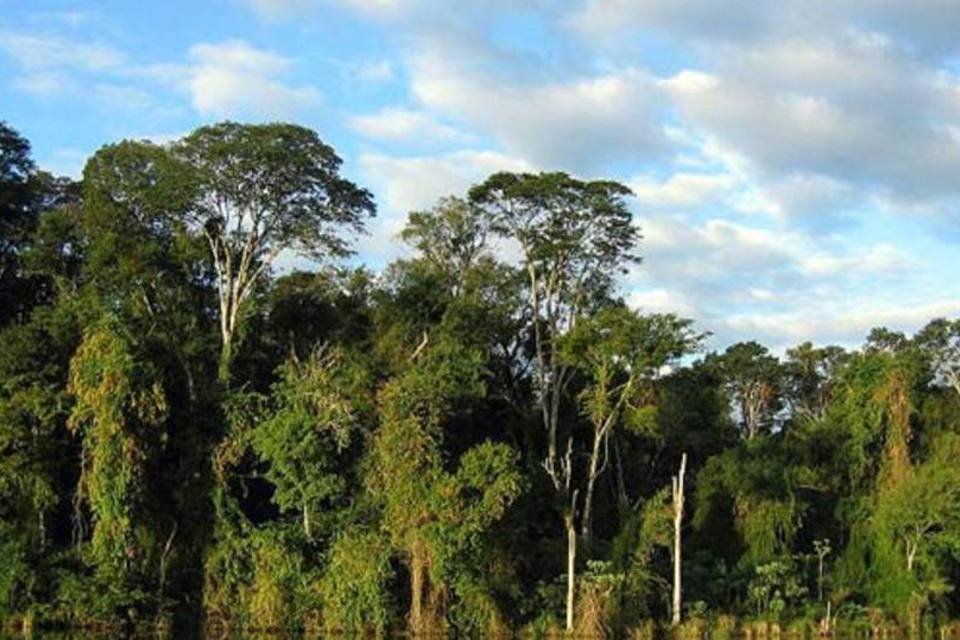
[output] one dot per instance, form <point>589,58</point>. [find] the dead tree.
<point>677,491</point>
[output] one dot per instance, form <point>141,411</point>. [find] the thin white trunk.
<point>678,496</point>
<point>571,570</point>
<point>586,529</point>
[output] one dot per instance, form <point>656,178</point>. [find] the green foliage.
<point>355,585</point>
<point>320,406</point>
<point>119,411</point>
<point>410,448</point>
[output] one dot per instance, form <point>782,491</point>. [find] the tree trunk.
<point>677,487</point>
<point>820,558</point>
<point>226,359</point>
<point>571,567</point>
<point>417,570</point>
<point>623,500</point>
<point>586,527</point>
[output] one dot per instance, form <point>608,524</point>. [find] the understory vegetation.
<point>478,438</point>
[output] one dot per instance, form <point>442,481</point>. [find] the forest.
<point>479,439</point>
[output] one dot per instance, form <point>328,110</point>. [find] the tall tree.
<point>810,373</point>
<point>17,213</point>
<point>451,237</point>
<point>262,190</point>
<point>575,236</point>
<point>25,193</point>
<point>754,379</point>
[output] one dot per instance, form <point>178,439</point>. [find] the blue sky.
<point>796,163</point>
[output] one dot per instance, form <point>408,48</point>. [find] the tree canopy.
<point>481,437</point>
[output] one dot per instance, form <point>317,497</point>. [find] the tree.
<point>810,375</point>
<point>678,495</point>
<point>37,459</point>
<point>620,353</point>
<point>429,514</point>
<point>575,236</point>
<point>754,380</point>
<point>17,213</point>
<point>451,237</point>
<point>262,190</point>
<point>25,193</point>
<point>881,339</point>
<point>940,339</point>
<point>321,404</point>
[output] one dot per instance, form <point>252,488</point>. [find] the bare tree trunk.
<point>586,526</point>
<point>678,496</point>
<point>820,579</point>
<point>571,567</point>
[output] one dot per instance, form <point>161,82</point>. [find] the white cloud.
<point>48,84</point>
<point>661,300</point>
<point>682,190</point>
<point>232,78</point>
<point>874,259</point>
<point>847,324</point>
<point>743,281</point>
<point>277,9</point>
<point>407,184</point>
<point>394,123</point>
<point>579,124</point>
<point>38,52</point>
<point>49,64</point>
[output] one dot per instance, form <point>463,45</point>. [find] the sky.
<point>795,163</point>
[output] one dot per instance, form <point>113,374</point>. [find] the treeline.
<point>458,443</point>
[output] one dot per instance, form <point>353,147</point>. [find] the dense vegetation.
<point>460,442</point>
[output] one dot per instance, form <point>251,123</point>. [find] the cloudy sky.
<point>796,163</point>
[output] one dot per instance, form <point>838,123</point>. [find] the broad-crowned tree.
<point>452,237</point>
<point>262,190</point>
<point>455,278</point>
